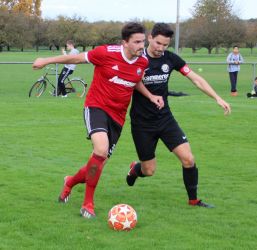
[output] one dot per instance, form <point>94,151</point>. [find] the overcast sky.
<point>125,10</point>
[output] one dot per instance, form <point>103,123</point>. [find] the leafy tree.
<point>39,28</point>
<point>251,34</point>
<point>212,9</point>
<point>84,35</point>
<point>213,25</point>
<point>217,23</point>
<point>107,32</point>
<point>189,35</point>
<point>19,33</point>
<point>4,20</point>
<point>28,7</point>
<point>234,32</point>
<point>62,29</point>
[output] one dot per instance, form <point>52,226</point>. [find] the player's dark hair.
<point>162,29</point>
<point>235,46</point>
<point>131,28</point>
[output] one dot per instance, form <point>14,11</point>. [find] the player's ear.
<point>124,43</point>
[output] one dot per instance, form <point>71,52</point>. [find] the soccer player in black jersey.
<point>149,124</point>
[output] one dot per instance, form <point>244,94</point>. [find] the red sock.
<point>79,177</point>
<point>93,172</point>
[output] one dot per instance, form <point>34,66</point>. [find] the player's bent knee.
<point>101,151</point>
<point>188,161</point>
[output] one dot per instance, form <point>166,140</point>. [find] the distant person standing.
<point>234,60</point>
<point>67,69</point>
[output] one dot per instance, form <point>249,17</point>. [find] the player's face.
<point>69,46</point>
<point>134,46</point>
<point>157,45</point>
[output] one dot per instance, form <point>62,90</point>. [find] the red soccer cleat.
<point>65,194</point>
<point>199,203</point>
<point>87,211</point>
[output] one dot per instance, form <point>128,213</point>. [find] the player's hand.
<point>39,63</point>
<point>224,105</point>
<point>158,101</point>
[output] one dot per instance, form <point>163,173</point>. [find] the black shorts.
<point>146,139</point>
<point>97,120</point>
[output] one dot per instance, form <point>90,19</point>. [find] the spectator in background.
<point>254,91</point>
<point>234,60</point>
<point>67,69</point>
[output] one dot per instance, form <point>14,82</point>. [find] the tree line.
<point>213,25</point>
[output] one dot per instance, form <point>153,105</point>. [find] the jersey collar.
<point>125,58</point>
<point>146,54</point>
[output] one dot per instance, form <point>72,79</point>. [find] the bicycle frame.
<point>68,83</point>
<point>46,79</point>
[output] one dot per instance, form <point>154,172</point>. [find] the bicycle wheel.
<point>75,87</point>
<point>37,89</point>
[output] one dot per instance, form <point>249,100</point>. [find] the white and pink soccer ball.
<point>122,217</point>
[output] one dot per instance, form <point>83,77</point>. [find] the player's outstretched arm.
<point>39,63</point>
<point>157,100</point>
<point>224,105</point>
<point>204,86</point>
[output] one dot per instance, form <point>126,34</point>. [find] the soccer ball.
<point>122,217</point>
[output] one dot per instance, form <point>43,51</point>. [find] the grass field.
<point>44,139</point>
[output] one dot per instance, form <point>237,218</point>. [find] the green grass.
<point>44,139</point>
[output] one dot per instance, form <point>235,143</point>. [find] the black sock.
<point>138,171</point>
<point>190,177</point>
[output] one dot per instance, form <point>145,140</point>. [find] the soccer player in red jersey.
<point>118,71</point>
<point>149,124</point>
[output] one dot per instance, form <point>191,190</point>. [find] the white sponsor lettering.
<point>153,78</point>
<point>118,80</point>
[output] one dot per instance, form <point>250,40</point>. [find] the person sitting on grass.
<point>253,94</point>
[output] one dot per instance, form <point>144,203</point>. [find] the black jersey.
<point>143,112</point>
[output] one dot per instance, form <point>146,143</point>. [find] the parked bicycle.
<point>74,86</point>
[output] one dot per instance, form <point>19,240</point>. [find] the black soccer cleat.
<point>199,203</point>
<point>131,176</point>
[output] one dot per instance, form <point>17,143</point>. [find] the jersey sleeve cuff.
<point>86,57</point>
